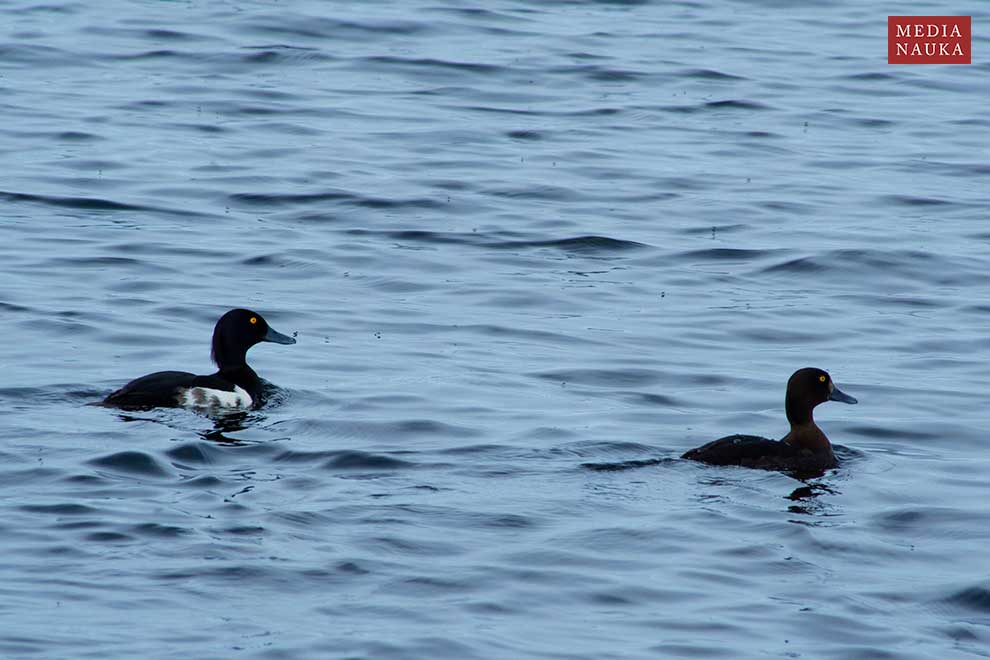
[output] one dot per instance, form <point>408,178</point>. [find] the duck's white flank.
<point>204,397</point>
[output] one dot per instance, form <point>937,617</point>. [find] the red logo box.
<point>929,40</point>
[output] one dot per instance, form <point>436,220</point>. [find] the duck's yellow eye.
<point>821,378</point>
<point>254,319</point>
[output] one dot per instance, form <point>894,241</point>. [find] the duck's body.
<point>165,389</point>
<point>234,385</point>
<point>752,451</point>
<point>805,449</point>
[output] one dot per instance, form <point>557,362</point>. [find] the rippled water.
<point>532,252</point>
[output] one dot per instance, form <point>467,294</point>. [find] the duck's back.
<point>160,389</point>
<point>738,450</point>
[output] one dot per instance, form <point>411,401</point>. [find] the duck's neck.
<point>804,433</point>
<point>808,436</point>
<point>242,376</point>
<point>798,410</point>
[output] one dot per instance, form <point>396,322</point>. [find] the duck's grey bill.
<point>277,337</point>
<point>839,395</point>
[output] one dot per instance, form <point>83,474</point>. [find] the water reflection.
<point>230,422</point>
<point>224,423</point>
<point>806,499</point>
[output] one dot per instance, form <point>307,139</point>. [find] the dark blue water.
<point>523,245</point>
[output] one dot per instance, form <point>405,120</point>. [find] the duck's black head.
<point>236,332</point>
<point>808,387</point>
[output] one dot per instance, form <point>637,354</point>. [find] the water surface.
<point>532,252</point>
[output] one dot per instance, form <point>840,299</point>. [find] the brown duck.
<point>804,450</point>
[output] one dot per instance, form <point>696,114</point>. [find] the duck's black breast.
<point>160,389</point>
<point>762,453</point>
